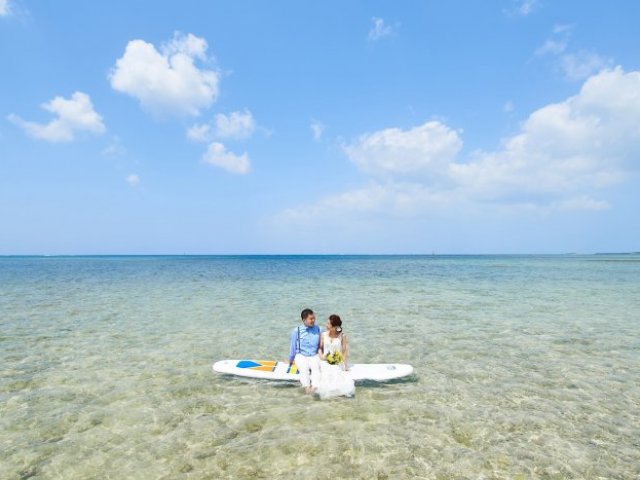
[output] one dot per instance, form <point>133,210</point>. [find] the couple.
<point>313,350</point>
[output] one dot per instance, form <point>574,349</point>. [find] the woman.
<point>334,379</point>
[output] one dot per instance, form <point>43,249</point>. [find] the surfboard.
<point>275,370</point>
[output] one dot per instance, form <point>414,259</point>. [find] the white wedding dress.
<point>334,381</point>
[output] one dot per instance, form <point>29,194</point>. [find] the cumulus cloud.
<point>427,148</point>
<point>133,180</point>
<point>200,132</point>
<point>73,115</point>
<point>167,81</point>
<point>563,154</point>
<point>379,29</point>
<point>585,142</point>
<point>236,125</point>
<point>219,156</point>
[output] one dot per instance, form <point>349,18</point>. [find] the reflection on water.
<point>526,367</point>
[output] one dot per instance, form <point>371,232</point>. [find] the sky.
<point>254,127</point>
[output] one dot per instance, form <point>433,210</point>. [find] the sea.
<point>526,367</point>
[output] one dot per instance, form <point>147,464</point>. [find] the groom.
<point>305,342</point>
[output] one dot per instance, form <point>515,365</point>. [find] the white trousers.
<point>309,370</point>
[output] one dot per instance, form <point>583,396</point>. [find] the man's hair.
<point>305,313</point>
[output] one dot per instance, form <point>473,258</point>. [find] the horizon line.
<point>432,254</point>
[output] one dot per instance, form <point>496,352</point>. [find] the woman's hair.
<point>336,322</point>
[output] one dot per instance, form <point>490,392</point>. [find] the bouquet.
<point>334,358</point>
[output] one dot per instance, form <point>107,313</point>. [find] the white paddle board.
<point>275,370</point>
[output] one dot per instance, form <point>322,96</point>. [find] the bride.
<point>334,379</point>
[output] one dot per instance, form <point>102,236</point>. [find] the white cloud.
<point>562,28</point>
<point>553,46</point>
<point>390,198</point>
<point>526,7</point>
<point>73,115</point>
<point>133,180</point>
<point>200,133</point>
<point>582,202</point>
<point>585,142</point>
<point>575,66</point>
<point>189,45</point>
<point>5,7</point>
<point>317,129</point>
<point>583,64</point>
<point>379,29</point>
<point>563,154</point>
<point>115,149</point>
<point>167,82</point>
<point>219,156</point>
<point>427,148</point>
<point>236,125</point>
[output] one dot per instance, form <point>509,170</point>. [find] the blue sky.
<point>332,127</point>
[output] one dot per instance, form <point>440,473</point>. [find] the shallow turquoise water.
<point>526,367</point>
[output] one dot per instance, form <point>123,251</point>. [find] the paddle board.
<point>275,370</point>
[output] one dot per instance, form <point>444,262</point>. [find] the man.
<point>305,342</point>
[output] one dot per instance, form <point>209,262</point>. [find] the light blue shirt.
<point>304,340</point>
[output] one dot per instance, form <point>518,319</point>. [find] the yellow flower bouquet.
<point>334,358</point>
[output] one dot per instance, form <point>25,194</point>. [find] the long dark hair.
<point>336,322</point>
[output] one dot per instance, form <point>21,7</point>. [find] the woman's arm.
<point>345,352</point>
<point>321,347</point>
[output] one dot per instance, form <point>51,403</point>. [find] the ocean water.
<point>525,367</point>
